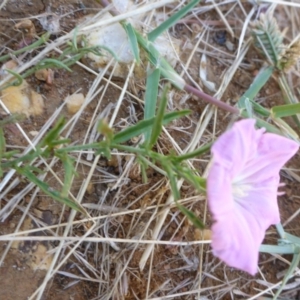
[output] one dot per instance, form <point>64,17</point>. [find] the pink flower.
<point>242,191</point>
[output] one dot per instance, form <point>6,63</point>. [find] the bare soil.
<point>171,269</point>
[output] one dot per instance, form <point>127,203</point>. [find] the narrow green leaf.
<point>142,126</point>
<point>269,127</point>
<point>68,164</point>
<point>53,135</point>
<point>54,63</point>
<point>171,21</point>
<point>60,142</point>
<point>288,95</point>
<point>96,50</point>
<point>263,124</point>
<point>286,110</point>
<point>74,39</point>
<point>143,166</point>
<point>278,249</point>
<point>49,191</point>
<point>43,39</point>
<point>193,154</point>
<point>292,238</point>
<point>294,264</point>
<point>28,158</point>
<point>280,230</point>
<point>173,181</point>
<point>10,154</point>
<point>151,97</point>
<point>191,216</point>
<point>260,109</point>
<point>176,193</point>
<point>158,120</point>
<point>198,182</point>
<point>286,129</point>
<point>19,78</point>
<point>259,81</point>
<point>133,41</point>
<point>105,151</point>
<point>160,62</point>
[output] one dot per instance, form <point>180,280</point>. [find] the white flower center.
<point>240,189</point>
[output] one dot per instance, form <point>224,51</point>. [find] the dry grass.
<point>126,239</point>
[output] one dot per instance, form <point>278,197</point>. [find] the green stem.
<point>43,39</point>
<point>195,153</point>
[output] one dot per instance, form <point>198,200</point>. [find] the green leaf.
<point>259,81</point>
<point>133,41</point>
<point>191,216</point>
<point>53,135</point>
<point>142,126</point>
<point>105,151</point>
<point>10,154</point>
<point>60,142</point>
<point>171,21</point>
<point>19,78</point>
<point>269,127</point>
<point>193,154</point>
<point>158,120</point>
<point>173,181</point>
<point>68,164</point>
<point>198,182</point>
<point>280,230</point>
<point>176,193</point>
<point>292,238</point>
<point>278,249</point>
<point>28,158</point>
<point>143,166</point>
<point>42,40</point>
<point>293,266</point>
<point>160,62</point>
<point>151,97</point>
<point>47,62</point>
<point>74,39</point>
<point>260,109</point>
<point>286,110</point>
<point>49,191</point>
<point>288,95</point>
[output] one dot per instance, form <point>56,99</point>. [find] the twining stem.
<point>211,99</point>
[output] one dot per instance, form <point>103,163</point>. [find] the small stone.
<point>74,102</point>
<point>230,46</point>
<point>23,99</point>
<point>27,27</point>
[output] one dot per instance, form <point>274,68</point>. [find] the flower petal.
<point>273,151</point>
<point>240,226</point>
<point>234,147</point>
<point>251,160</point>
<point>237,243</point>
